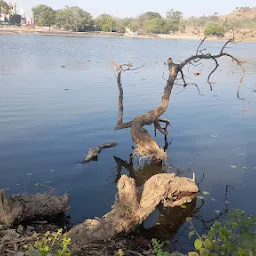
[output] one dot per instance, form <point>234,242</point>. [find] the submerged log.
<point>16,209</point>
<point>93,153</point>
<point>133,206</point>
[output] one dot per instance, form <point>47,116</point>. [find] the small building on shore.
<point>6,11</point>
<point>10,16</point>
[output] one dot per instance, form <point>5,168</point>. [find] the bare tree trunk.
<point>144,142</point>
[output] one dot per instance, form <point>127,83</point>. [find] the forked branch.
<point>215,57</point>
<point>144,142</point>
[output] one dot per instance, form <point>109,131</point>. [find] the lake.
<point>58,98</point>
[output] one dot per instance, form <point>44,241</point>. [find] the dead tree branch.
<point>94,152</point>
<point>131,209</point>
<point>199,46</point>
<point>215,68</point>
<point>201,56</point>
<point>144,142</point>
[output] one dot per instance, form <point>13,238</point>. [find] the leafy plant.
<point>51,244</point>
<point>44,15</point>
<point>158,249</point>
<point>214,29</point>
<point>236,237</point>
<point>120,252</point>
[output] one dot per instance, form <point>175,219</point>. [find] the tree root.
<point>133,206</point>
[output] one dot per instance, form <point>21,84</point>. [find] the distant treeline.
<point>76,19</point>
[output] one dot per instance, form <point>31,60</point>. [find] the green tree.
<point>173,19</point>
<point>106,22</point>
<point>214,29</point>
<point>4,7</point>
<point>73,18</point>
<point>44,15</point>
<point>174,15</point>
<point>145,17</point>
<point>155,25</point>
<point>150,15</point>
<point>133,26</point>
<point>122,24</point>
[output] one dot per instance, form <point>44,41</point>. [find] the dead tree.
<point>132,206</point>
<point>144,142</point>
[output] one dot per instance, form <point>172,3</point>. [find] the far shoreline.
<point>41,32</point>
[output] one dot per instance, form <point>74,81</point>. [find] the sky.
<point>122,8</point>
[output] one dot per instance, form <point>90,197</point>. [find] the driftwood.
<point>133,206</point>
<point>144,142</point>
<point>16,209</point>
<point>94,152</point>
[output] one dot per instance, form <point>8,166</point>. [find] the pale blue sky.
<point>123,8</point>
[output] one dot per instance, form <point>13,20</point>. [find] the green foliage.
<point>242,18</point>
<point>106,22</point>
<point>182,27</point>
<point>156,26</point>
<point>133,26</point>
<point>73,18</point>
<point>197,22</point>
<point>236,237</point>
<point>158,248</point>
<point>241,22</point>
<point>146,17</point>
<point>214,29</point>
<point>173,20</point>
<point>44,15</point>
<point>174,15</point>
<point>150,15</point>
<point>51,244</point>
<point>4,7</point>
<point>151,22</point>
<point>120,252</point>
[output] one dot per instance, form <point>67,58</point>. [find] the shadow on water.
<point>140,174</point>
<point>168,222</point>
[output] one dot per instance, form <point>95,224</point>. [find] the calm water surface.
<point>50,116</point>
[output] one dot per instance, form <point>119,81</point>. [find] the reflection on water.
<point>50,115</point>
<point>140,173</point>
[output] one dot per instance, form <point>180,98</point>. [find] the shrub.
<point>214,29</point>
<point>236,237</point>
<point>50,244</point>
